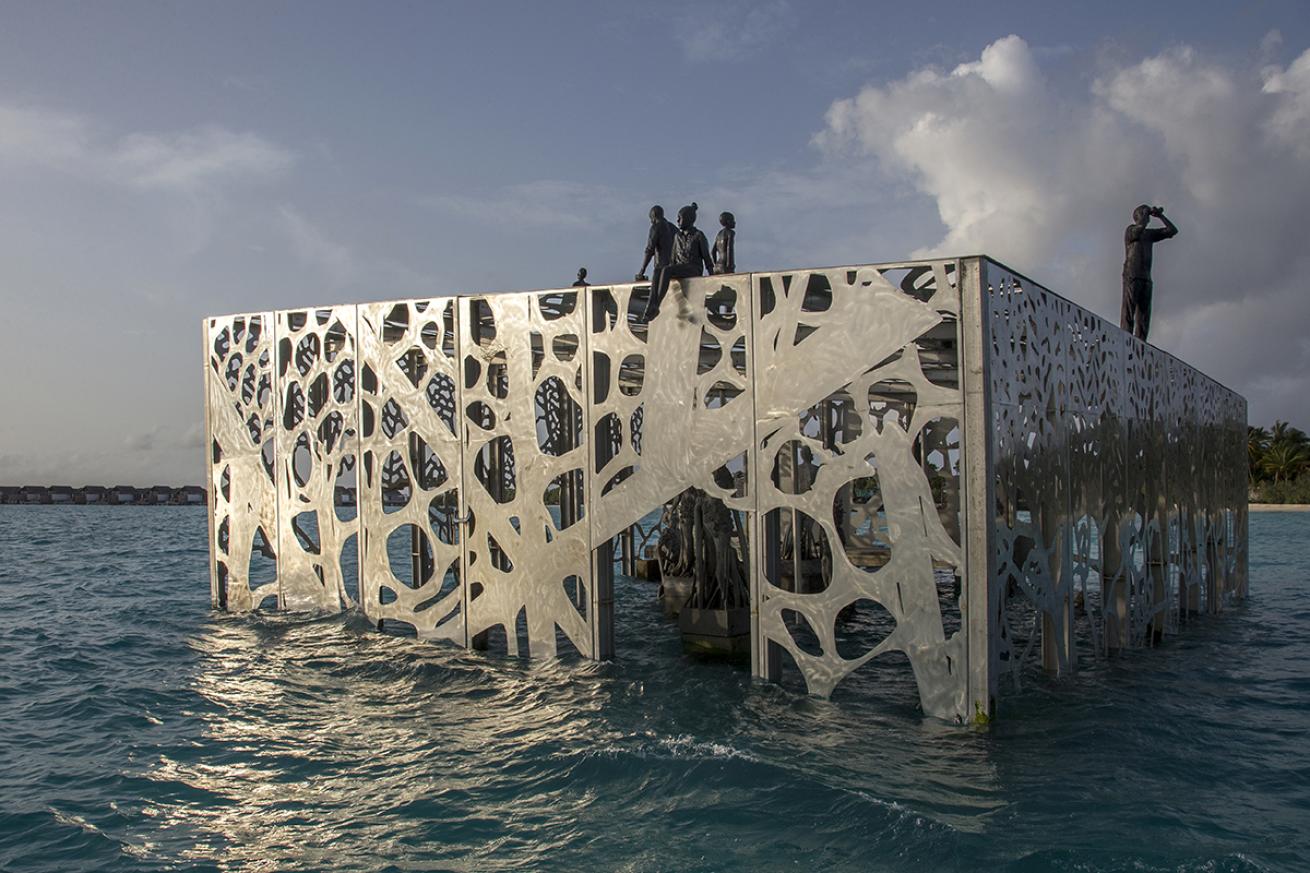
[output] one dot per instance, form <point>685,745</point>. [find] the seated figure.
<point>691,257</point>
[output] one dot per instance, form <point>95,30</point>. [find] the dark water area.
<point>141,731</point>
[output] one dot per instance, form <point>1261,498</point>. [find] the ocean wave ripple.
<point>141,731</point>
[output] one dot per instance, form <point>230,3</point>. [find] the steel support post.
<point>981,601</point>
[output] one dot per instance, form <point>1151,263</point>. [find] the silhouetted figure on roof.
<point>659,243</point>
<point>725,245</point>
<point>582,278</point>
<point>1139,239</point>
<point>691,257</point>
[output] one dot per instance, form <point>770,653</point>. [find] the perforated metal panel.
<point>528,568</point>
<point>938,463</point>
<point>1120,483</point>
<point>410,476</point>
<point>316,445</point>
<point>859,449</point>
<point>240,414</point>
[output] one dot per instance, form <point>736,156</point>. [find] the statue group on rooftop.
<point>682,251</point>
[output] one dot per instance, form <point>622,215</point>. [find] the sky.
<point>160,162</point>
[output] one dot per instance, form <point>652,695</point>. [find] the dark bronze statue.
<point>1139,239</point>
<point>582,278</point>
<point>691,257</point>
<point>659,244</point>
<point>676,543</point>
<point>699,538</point>
<point>725,245</point>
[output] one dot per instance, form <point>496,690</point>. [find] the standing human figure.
<point>725,245</point>
<point>1135,315</point>
<point>691,257</point>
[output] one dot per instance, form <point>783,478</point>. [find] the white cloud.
<point>314,248</point>
<point>178,161</point>
<point>193,437</point>
<point>542,203</point>
<point>209,154</point>
<point>1289,123</point>
<point>353,273</point>
<point>143,441</point>
<point>1272,42</point>
<point>726,31</point>
<point>1045,178</point>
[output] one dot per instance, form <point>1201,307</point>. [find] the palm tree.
<point>1285,433</point>
<point>1257,443</point>
<point>1285,461</point>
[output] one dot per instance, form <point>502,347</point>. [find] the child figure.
<point>725,250</point>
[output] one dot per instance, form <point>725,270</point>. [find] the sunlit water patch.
<point>141,731</point>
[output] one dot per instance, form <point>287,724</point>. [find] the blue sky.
<point>159,162</point>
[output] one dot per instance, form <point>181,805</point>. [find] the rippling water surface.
<point>140,731</point>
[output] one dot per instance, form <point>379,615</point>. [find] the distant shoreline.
<point>1279,507</point>
<point>102,495</point>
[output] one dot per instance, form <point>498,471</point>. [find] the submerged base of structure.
<point>724,633</point>
<point>675,591</point>
<point>869,425</point>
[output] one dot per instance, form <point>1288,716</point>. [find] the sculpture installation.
<point>725,245</point>
<point>702,568</point>
<point>659,243</point>
<point>1008,481</point>
<point>1139,244</point>
<point>691,257</point>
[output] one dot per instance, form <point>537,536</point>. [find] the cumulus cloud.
<point>1045,178</point>
<point>182,160</point>
<point>1289,122</point>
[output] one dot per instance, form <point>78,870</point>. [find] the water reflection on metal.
<point>923,457</point>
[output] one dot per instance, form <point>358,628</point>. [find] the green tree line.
<point>1278,459</point>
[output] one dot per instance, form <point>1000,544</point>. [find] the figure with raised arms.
<point>1135,316</point>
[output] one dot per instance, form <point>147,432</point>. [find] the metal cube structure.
<point>1004,479</point>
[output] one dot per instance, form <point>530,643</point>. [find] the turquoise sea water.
<point>141,731</point>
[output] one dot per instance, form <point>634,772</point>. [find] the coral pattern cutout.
<point>239,408</point>
<point>1120,483</point>
<point>518,553</point>
<point>840,334</point>
<point>410,478</point>
<point>316,451</point>
<point>497,445</point>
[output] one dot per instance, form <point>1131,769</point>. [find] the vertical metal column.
<point>602,554</point>
<point>980,592</point>
<point>766,659</point>
<point>217,597</point>
<point>464,309</point>
<point>629,565</point>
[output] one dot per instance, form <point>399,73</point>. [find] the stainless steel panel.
<point>240,417</point>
